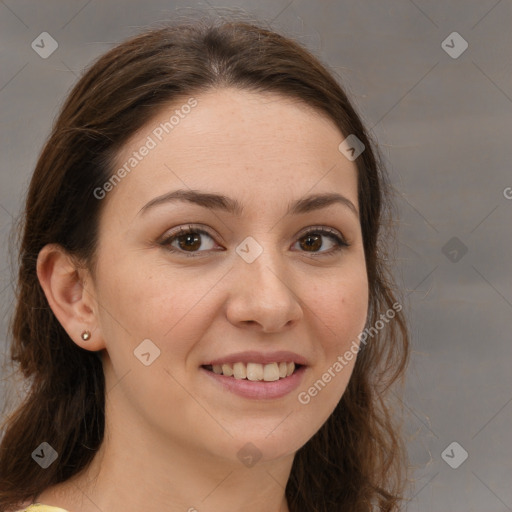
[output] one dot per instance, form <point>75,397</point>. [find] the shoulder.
<point>39,507</point>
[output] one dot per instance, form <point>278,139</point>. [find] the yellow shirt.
<point>39,507</point>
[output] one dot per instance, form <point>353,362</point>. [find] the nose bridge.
<point>264,293</point>
<point>262,261</point>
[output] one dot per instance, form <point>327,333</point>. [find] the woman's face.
<point>246,285</point>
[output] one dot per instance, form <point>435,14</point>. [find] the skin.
<point>172,436</point>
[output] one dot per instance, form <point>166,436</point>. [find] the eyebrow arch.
<point>229,205</point>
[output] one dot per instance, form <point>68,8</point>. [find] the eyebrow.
<point>234,207</point>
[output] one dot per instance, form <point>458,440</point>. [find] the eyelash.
<point>332,234</point>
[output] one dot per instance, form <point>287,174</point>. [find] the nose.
<point>262,294</point>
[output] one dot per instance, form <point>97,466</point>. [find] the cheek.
<point>169,308</point>
<point>340,308</point>
<point>349,316</point>
<point>341,305</point>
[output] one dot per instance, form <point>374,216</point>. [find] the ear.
<point>70,293</point>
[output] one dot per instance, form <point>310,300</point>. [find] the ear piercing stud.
<point>86,335</point>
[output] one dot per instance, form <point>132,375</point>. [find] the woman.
<point>204,310</point>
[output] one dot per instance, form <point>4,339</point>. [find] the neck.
<point>134,479</point>
<point>134,471</point>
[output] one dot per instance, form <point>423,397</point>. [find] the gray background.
<point>444,126</point>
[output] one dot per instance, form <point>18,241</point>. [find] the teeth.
<point>227,370</point>
<point>255,371</point>
<point>271,372</point>
<point>239,371</point>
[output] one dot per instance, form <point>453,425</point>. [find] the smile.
<point>258,388</point>
<point>254,371</point>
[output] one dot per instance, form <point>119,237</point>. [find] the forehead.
<point>240,143</point>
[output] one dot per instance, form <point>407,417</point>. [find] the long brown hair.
<point>356,460</point>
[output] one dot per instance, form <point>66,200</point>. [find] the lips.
<point>256,390</point>
<point>260,358</point>
<point>254,371</point>
<point>257,375</point>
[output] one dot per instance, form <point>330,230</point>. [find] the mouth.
<point>255,372</point>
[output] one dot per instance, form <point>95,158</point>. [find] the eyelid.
<point>325,230</point>
<point>168,237</point>
<point>335,235</point>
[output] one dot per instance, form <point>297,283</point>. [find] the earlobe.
<point>69,295</point>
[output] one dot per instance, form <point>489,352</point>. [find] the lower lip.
<point>259,390</point>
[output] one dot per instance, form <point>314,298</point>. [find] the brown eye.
<point>186,240</point>
<point>190,241</point>
<point>312,241</point>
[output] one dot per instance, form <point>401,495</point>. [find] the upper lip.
<point>259,357</point>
